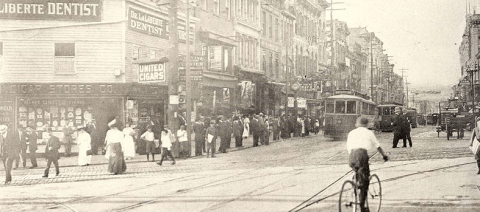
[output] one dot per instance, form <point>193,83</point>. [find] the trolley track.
<point>298,208</point>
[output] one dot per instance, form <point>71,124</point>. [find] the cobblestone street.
<point>285,168</point>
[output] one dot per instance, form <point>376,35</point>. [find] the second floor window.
<point>137,52</point>
<point>64,58</point>
<point>152,54</point>
<point>216,4</point>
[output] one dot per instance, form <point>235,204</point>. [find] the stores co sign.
<point>151,72</point>
<point>72,10</point>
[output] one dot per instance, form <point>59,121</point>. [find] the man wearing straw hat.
<point>9,150</point>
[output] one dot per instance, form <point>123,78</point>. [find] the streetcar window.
<point>351,107</point>
<point>385,111</point>
<point>371,110</point>
<point>329,107</point>
<point>340,107</point>
<point>364,108</point>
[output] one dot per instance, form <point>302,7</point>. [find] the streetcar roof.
<point>344,96</point>
<point>389,105</point>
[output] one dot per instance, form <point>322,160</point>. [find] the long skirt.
<point>83,158</point>
<point>246,131</point>
<point>128,147</point>
<point>116,161</point>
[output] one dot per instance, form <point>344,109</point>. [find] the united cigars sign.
<point>147,24</point>
<point>151,73</point>
<point>71,10</point>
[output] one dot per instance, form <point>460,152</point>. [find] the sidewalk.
<point>72,161</point>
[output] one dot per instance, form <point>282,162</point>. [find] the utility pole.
<point>403,96</point>
<point>371,66</point>
<point>188,83</point>
<point>173,60</point>
<point>332,36</point>
<point>406,83</point>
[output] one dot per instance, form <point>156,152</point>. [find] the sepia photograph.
<point>240,105</point>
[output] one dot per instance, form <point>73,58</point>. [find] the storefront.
<point>217,94</point>
<point>58,105</point>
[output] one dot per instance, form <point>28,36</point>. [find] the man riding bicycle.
<point>359,141</point>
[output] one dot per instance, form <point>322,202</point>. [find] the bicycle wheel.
<point>374,199</point>
<point>348,197</point>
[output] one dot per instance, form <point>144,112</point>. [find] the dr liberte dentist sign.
<point>72,10</point>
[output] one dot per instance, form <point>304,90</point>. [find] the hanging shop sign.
<point>151,73</point>
<point>301,102</point>
<point>70,10</point>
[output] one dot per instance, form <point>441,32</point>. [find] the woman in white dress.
<point>128,144</point>
<point>113,147</point>
<point>246,127</point>
<point>84,144</point>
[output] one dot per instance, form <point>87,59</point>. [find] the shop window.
<point>340,107</point>
<point>351,107</point>
<point>215,58</point>
<point>137,52</point>
<point>64,58</point>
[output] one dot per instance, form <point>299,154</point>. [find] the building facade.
<point>68,65</point>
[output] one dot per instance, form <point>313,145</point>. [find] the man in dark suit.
<point>255,130</point>
<point>397,123</point>
<point>51,153</point>
<point>275,128</point>
<point>32,145</point>
<point>9,150</point>
<point>199,130</point>
<point>23,147</point>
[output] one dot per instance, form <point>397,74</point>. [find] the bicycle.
<point>348,200</point>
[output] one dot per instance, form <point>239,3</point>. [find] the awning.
<point>211,38</point>
<point>151,61</point>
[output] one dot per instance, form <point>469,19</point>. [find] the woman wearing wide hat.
<point>113,147</point>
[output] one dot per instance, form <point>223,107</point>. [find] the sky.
<point>423,36</point>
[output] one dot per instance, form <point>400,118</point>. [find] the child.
<point>166,145</point>
<point>211,136</point>
<point>149,138</point>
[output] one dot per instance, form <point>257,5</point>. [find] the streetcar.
<point>412,116</point>
<point>386,112</point>
<point>342,110</point>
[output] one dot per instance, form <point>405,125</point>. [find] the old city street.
<point>277,177</point>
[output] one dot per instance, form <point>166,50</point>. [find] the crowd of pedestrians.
<point>221,129</point>
<point>122,142</point>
